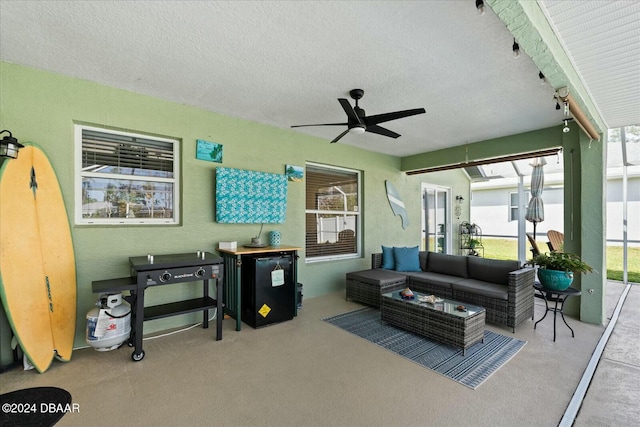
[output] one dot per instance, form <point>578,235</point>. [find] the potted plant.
<point>557,269</point>
<point>464,227</point>
<point>473,243</point>
<point>468,228</point>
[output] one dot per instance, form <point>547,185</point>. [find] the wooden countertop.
<point>242,250</point>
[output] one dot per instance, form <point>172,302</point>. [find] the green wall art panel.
<point>250,197</point>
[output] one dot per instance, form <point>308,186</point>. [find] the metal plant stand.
<point>558,297</point>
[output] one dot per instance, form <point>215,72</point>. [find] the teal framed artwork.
<point>209,151</point>
<point>294,173</point>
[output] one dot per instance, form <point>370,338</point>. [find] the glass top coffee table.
<point>441,321</point>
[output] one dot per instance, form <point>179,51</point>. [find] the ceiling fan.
<point>359,123</point>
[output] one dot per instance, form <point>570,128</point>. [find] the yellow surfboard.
<point>37,263</point>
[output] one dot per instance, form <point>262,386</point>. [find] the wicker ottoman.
<point>440,321</point>
<point>366,286</point>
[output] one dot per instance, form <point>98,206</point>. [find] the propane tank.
<point>109,324</point>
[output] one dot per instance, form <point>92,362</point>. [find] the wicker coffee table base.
<point>425,320</point>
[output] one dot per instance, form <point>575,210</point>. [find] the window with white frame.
<point>125,178</point>
<point>332,213</point>
<point>514,205</point>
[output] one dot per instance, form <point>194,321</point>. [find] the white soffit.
<point>602,39</point>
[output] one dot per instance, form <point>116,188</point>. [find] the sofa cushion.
<point>388,260</point>
<point>438,279</point>
<point>491,270</point>
<point>376,276</point>
<point>407,259</point>
<point>453,265</point>
<point>424,258</point>
<point>478,287</point>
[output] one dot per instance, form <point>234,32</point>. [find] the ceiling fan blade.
<point>382,131</point>
<point>381,118</point>
<point>351,114</point>
<point>321,124</point>
<point>340,136</point>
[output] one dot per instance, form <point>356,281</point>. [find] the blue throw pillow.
<point>407,259</point>
<point>388,261</point>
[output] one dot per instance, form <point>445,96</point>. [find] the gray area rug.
<point>482,360</point>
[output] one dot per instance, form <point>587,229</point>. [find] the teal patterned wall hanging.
<point>250,197</point>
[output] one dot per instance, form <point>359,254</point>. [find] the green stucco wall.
<point>41,108</point>
<point>489,149</point>
<point>592,207</point>
<point>584,219</point>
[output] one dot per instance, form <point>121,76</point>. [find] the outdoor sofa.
<point>502,287</point>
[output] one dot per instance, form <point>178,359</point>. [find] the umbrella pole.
<point>534,229</point>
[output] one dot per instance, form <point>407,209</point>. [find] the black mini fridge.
<point>268,289</point>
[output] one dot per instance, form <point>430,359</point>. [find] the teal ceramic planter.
<point>274,238</point>
<point>555,279</point>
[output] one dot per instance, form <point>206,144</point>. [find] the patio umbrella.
<point>535,210</point>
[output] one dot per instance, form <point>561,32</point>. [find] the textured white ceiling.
<point>286,63</point>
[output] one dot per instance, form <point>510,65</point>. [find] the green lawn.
<point>507,249</point>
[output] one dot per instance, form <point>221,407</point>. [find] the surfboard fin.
<point>34,184</point>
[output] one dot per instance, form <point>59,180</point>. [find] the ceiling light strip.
<point>513,157</point>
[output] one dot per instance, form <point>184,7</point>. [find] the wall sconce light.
<point>9,146</point>
<point>458,208</point>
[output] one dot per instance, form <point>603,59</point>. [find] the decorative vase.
<point>555,279</point>
<point>274,238</point>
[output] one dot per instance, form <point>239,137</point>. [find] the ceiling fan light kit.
<point>358,122</point>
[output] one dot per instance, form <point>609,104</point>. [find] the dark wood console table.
<point>233,272</point>
<point>167,270</point>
